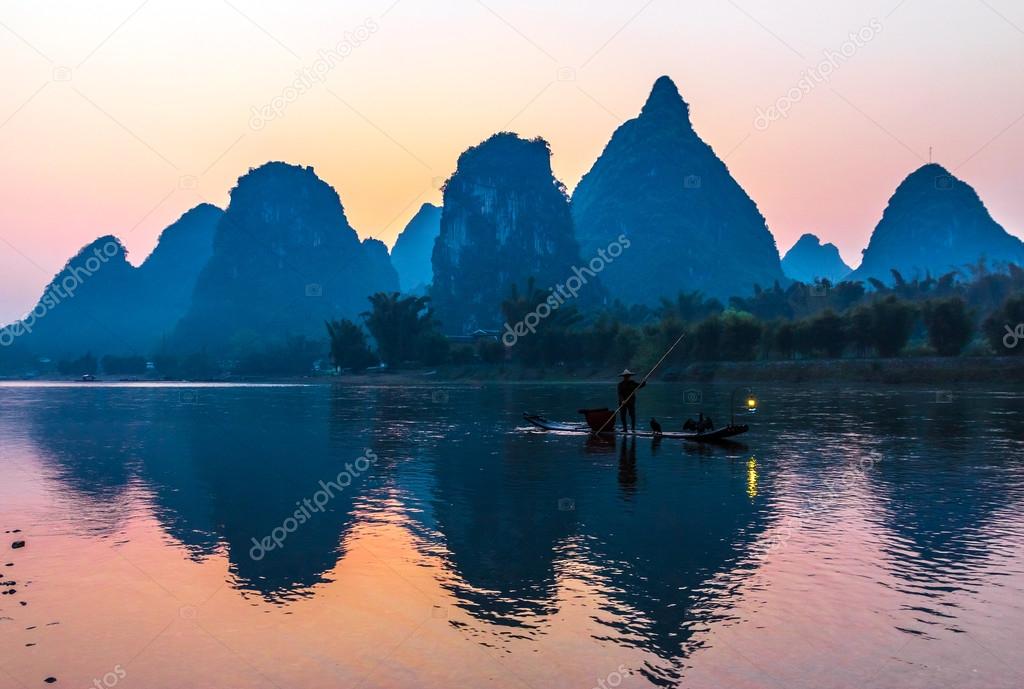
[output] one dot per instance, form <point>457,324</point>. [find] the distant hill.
<point>285,259</point>
<point>691,225</point>
<point>809,259</point>
<point>169,274</point>
<point>411,255</point>
<point>380,264</point>
<point>99,302</point>
<point>935,223</point>
<point>505,219</point>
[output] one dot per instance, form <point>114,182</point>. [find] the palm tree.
<point>348,345</point>
<point>400,325</point>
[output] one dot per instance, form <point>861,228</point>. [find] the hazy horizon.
<point>122,117</point>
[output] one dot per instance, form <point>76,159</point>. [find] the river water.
<point>307,536</point>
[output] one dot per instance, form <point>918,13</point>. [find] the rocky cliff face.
<point>935,223</point>
<point>100,303</point>
<point>168,276</point>
<point>412,252</point>
<point>505,219</point>
<point>87,306</point>
<point>182,250</point>
<point>285,259</point>
<point>380,262</point>
<point>809,259</point>
<point>691,226</point>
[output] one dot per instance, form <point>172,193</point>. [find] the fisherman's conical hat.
<point>626,372</point>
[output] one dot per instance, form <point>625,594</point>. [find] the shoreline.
<point>903,371</point>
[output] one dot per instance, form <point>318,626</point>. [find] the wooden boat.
<point>583,429</point>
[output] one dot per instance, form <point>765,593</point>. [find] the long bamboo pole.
<point>642,382</point>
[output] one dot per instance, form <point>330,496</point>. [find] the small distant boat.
<point>584,429</point>
<point>88,378</point>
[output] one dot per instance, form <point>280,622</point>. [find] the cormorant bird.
<point>656,427</point>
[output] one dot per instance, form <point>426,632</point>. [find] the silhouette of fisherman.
<point>627,397</point>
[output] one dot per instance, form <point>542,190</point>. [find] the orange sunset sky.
<point>116,117</point>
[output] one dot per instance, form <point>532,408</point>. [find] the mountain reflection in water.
<point>656,548</point>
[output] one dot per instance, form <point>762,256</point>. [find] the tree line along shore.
<point>924,329</point>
